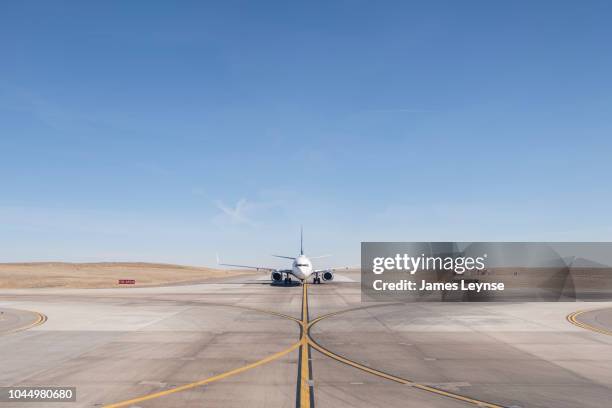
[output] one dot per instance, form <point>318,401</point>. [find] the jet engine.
<point>276,276</point>
<point>328,275</point>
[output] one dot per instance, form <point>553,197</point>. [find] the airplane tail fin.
<point>301,246</point>
<point>301,240</point>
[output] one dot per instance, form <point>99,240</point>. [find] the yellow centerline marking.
<point>402,380</point>
<point>40,319</point>
<point>381,374</point>
<point>304,352</point>
<point>572,318</point>
<point>207,380</point>
<point>304,386</point>
<point>219,376</point>
<point>304,344</point>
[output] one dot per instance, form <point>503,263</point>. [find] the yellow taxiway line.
<point>40,319</point>
<point>572,318</point>
<point>219,376</point>
<point>306,396</point>
<point>382,374</point>
<point>400,380</point>
<point>304,386</point>
<point>305,380</point>
<point>205,381</point>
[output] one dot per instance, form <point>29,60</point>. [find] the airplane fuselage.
<point>301,268</point>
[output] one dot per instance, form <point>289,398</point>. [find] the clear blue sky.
<point>167,132</point>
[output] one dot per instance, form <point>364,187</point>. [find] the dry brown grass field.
<point>103,275</point>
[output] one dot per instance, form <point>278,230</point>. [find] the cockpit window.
<point>301,264</point>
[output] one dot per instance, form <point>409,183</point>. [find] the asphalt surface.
<point>248,343</point>
<point>14,320</point>
<point>598,320</point>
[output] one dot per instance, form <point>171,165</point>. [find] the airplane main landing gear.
<point>317,280</point>
<point>287,280</point>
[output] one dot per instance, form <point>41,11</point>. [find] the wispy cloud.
<point>238,214</point>
<point>251,213</point>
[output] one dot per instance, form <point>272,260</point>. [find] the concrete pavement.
<point>178,344</point>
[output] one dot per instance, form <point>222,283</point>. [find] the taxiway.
<point>244,342</point>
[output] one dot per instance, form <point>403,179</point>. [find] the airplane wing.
<point>320,256</point>
<point>283,256</point>
<point>337,268</point>
<point>259,268</point>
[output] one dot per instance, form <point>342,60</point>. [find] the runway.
<point>244,342</point>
